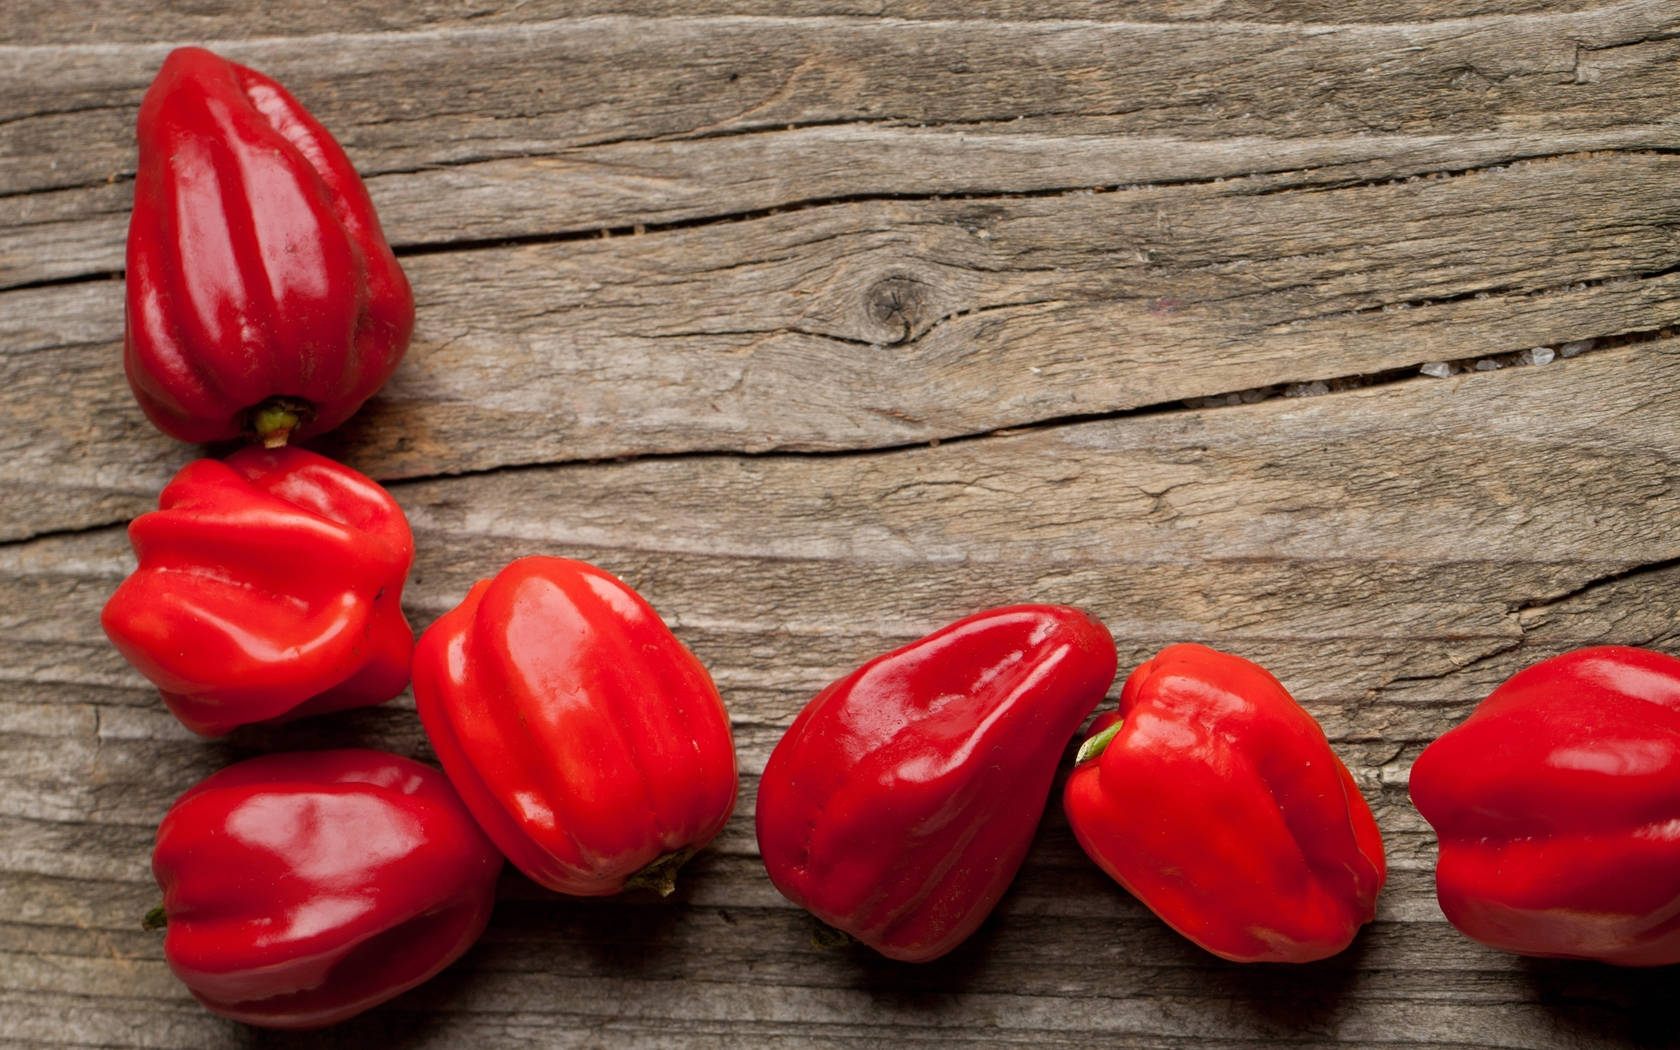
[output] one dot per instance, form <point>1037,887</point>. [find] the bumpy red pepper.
<point>587,740</point>
<point>902,800</point>
<point>301,889</point>
<point>1216,800</point>
<point>1557,806</point>
<point>262,297</point>
<point>269,587</point>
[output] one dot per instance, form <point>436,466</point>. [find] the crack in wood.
<point>1516,611</point>
<point>91,277</point>
<point>1497,291</point>
<point>1339,385</point>
<point>1386,377</point>
<point>580,151</point>
<point>407,250</point>
<point>126,175</point>
<point>1647,568</point>
<point>1509,647</point>
<point>1647,38</point>
<point>908,339</point>
<point>65,112</point>
<point>47,535</point>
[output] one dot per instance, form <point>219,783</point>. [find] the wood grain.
<point>825,322</point>
<point>883,323</point>
<point>573,107</point>
<point>100,21</point>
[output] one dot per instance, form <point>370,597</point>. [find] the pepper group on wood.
<point>582,740</point>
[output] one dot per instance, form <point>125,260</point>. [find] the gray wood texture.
<point>826,322</point>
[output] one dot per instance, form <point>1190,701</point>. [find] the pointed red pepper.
<point>269,587</point>
<point>301,889</point>
<point>586,739</point>
<point>902,800</point>
<point>262,297</point>
<point>1215,799</point>
<point>1557,806</point>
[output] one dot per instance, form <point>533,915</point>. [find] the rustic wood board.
<point>825,322</point>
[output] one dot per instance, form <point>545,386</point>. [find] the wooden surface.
<point>826,322</point>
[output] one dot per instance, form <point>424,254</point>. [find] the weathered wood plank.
<point>405,101</point>
<point>881,323</point>
<point>42,22</point>
<point>1303,476</point>
<point>593,190</point>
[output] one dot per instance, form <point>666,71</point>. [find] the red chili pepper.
<point>588,742</point>
<point>902,800</point>
<point>302,889</point>
<point>262,297</point>
<point>1557,806</point>
<point>269,587</point>
<point>1217,802</point>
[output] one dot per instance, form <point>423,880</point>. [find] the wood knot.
<point>896,303</point>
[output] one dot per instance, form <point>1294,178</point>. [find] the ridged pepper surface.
<point>301,889</point>
<point>269,587</point>
<point>1557,806</point>
<point>1215,799</point>
<point>586,739</point>
<point>262,298</point>
<point>901,802</point>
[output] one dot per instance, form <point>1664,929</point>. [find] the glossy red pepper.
<point>1557,806</point>
<point>269,587</point>
<point>902,800</point>
<point>262,297</point>
<point>1215,799</point>
<point>587,740</point>
<point>301,889</point>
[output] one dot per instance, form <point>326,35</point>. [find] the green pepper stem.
<point>274,426</point>
<point>156,919</point>
<point>273,421</point>
<point>1096,745</point>
<point>826,938</point>
<point>661,875</point>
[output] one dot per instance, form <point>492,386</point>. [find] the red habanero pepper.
<point>1215,799</point>
<point>301,889</point>
<point>269,587</point>
<point>900,804</point>
<point>262,297</point>
<point>1557,807</point>
<point>588,741</point>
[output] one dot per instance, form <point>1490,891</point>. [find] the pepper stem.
<point>274,420</point>
<point>661,875</point>
<point>826,938</point>
<point>1096,745</point>
<point>156,919</point>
